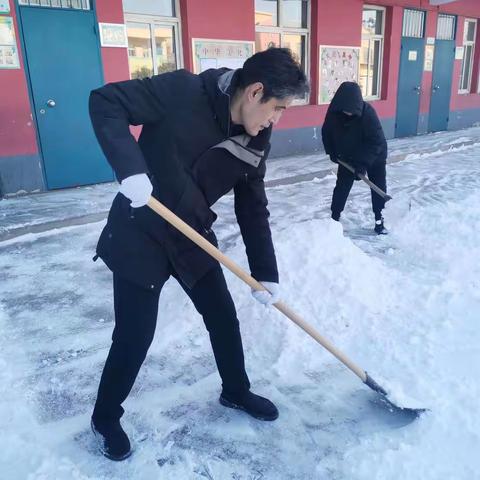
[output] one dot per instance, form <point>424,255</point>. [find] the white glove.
<point>267,298</point>
<point>137,188</point>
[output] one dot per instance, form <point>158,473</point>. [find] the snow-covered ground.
<point>405,307</point>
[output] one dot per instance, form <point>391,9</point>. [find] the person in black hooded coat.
<point>352,133</point>
<point>203,136</point>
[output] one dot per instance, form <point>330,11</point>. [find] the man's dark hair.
<point>278,71</point>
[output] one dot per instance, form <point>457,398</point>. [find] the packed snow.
<point>405,307</point>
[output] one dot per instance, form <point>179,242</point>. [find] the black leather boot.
<point>380,228</point>
<point>336,216</point>
<point>112,440</point>
<point>256,406</point>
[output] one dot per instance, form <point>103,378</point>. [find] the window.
<point>469,34</point>
<point>153,37</point>
<point>413,23</point>
<point>74,4</point>
<point>283,23</point>
<point>164,8</point>
<point>371,52</point>
<point>446,27</point>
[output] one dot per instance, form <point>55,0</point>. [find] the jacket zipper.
<point>229,116</point>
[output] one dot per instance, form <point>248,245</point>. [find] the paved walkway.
<point>76,206</point>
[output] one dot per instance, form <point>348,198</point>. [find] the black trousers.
<point>376,173</point>
<point>136,312</point>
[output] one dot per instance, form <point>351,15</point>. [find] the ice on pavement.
<point>405,307</point>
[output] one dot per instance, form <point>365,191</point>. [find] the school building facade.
<point>417,62</point>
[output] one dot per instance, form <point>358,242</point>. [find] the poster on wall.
<point>429,56</point>
<point>113,35</point>
<point>8,44</point>
<point>337,65</point>
<point>4,6</point>
<point>220,53</point>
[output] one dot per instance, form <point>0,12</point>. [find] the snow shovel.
<point>408,414</point>
<point>376,189</point>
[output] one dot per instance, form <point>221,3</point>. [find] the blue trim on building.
<point>295,141</point>
<point>463,118</point>
<point>24,173</point>
<point>21,174</point>
<point>388,125</point>
<point>422,126</point>
<point>298,141</point>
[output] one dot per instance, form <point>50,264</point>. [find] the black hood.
<point>348,98</point>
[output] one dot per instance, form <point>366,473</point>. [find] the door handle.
<point>417,89</point>
<point>436,87</point>
<point>51,103</point>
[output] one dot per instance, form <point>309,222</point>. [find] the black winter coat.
<point>358,139</point>
<point>193,156</point>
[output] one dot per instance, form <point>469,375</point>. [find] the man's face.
<point>257,115</point>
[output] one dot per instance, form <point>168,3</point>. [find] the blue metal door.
<point>63,58</point>
<point>441,85</point>
<point>409,86</point>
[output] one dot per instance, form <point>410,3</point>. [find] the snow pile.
<point>439,248</point>
<point>436,153</point>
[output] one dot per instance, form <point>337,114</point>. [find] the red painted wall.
<point>17,129</point>
<point>462,8</point>
<point>115,60</point>
<point>17,132</point>
<point>430,31</point>
<point>215,19</point>
<point>333,22</point>
<point>339,22</point>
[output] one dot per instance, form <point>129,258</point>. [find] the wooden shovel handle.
<point>195,237</point>
<point>376,189</point>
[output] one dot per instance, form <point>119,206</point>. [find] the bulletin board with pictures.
<point>220,53</point>
<point>337,65</point>
<point>8,44</point>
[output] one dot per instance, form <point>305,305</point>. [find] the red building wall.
<point>430,31</point>
<point>463,9</point>
<point>215,19</point>
<point>17,131</point>
<point>115,60</point>
<point>333,22</point>
<point>339,23</point>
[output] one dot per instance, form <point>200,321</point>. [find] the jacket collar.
<point>220,85</point>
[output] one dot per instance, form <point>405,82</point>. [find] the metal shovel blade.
<point>404,415</point>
